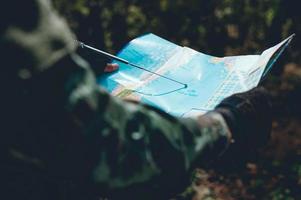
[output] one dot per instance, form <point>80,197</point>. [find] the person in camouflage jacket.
<point>64,137</point>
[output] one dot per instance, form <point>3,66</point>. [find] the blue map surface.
<point>209,79</point>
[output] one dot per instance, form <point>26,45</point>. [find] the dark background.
<point>219,28</point>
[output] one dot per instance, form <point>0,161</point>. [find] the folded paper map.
<point>184,82</point>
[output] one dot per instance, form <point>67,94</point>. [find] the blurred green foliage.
<point>218,27</point>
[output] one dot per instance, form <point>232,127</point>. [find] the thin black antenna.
<point>106,54</point>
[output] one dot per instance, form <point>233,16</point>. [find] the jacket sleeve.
<point>135,142</point>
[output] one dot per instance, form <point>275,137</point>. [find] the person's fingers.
<point>111,67</point>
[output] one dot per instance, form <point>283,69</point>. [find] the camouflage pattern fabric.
<point>63,137</point>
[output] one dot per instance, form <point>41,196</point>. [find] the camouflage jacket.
<point>63,137</point>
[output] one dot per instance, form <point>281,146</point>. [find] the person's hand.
<point>111,67</point>
<point>248,116</point>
